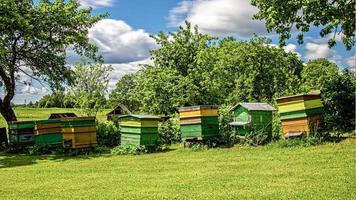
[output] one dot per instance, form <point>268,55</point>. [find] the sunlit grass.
<point>320,172</point>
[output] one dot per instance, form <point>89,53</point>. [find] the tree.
<point>335,16</point>
<point>163,91</point>
<point>184,51</point>
<point>338,97</point>
<point>180,50</point>
<point>90,87</point>
<point>253,71</point>
<point>123,93</point>
<point>34,38</point>
<point>57,99</point>
<point>317,73</point>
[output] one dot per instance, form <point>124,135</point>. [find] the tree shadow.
<point>17,160</point>
<point>9,160</point>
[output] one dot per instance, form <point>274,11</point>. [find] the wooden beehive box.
<point>21,133</point>
<point>300,114</point>
<point>250,117</point>
<point>199,122</point>
<point>48,132</point>
<point>139,130</point>
<point>78,132</point>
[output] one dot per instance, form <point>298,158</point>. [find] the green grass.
<point>319,172</point>
<point>24,114</point>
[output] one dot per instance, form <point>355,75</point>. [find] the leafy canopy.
<point>90,87</point>
<point>34,39</point>
<point>333,16</point>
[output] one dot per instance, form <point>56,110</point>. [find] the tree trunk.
<point>7,112</point>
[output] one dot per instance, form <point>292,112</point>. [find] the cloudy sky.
<point>123,37</point>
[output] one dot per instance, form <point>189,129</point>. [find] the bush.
<point>129,150</point>
<point>338,96</point>
<point>277,131</point>
<point>298,142</point>
<point>169,131</point>
<point>108,134</point>
<point>227,135</point>
<point>257,137</point>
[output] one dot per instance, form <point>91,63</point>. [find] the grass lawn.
<point>320,172</point>
<point>24,114</point>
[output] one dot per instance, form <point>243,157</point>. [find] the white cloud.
<point>27,89</point>
<point>351,61</point>
<point>178,14</point>
<point>96,3</point>
<point>289,48</point>
<point>219,16</point>
<point>315,50</point>
<point>120,70</point>
<point>119,43</point>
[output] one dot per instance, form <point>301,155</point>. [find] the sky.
<point>124,38</point>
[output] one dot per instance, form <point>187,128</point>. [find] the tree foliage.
<point>317,73</point>
<point>57,99</point>
<point>254,71</point>
<point>333,16</point>
<point>90,87</point>
<point>191,69</point>
<point>123,93</point>
<point>338,97</point>
<point>34,37</point>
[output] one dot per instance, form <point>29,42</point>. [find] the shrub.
<point>295,142</point>
<point>108,134</point>
<point>277,130</point>
<point>257,137</point>
<point>339,103</point>
<point>129,150</point>
<point>227,135</point>
<point>169,131</point>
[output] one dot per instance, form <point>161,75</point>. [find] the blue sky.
<point>123,37</point>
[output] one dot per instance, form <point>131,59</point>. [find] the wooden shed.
<point>118,111</point>
<point>250,117</point>
<point>199,122</point>
<point>139,129</point>
<point>61,115</point>
<point>300,114</point>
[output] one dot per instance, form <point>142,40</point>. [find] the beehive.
<point>21,133</point>
<point>78,132</point>
<point>252,117</point>
<point>300,114</point>
<point>139,130</point>
<point>199,122</point>
<point>48,132</point>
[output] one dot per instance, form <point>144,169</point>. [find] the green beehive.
<point>21,133</point>
<point>48,132</point>
<point>250,117</point>
<point>199,122</point>
<point>139,130</point>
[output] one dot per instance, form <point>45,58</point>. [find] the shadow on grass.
<point>9,160</point>
<point>17,160</point>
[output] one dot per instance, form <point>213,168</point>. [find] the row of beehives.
<point>71,132</point>
<point>299,115</point>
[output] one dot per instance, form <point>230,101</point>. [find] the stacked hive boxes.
<point>48,132</point>
<point>300,113</point>
<point>21,133</point>
<point>139,130</point>
<point>199,122</point>
<point>78,132</point>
